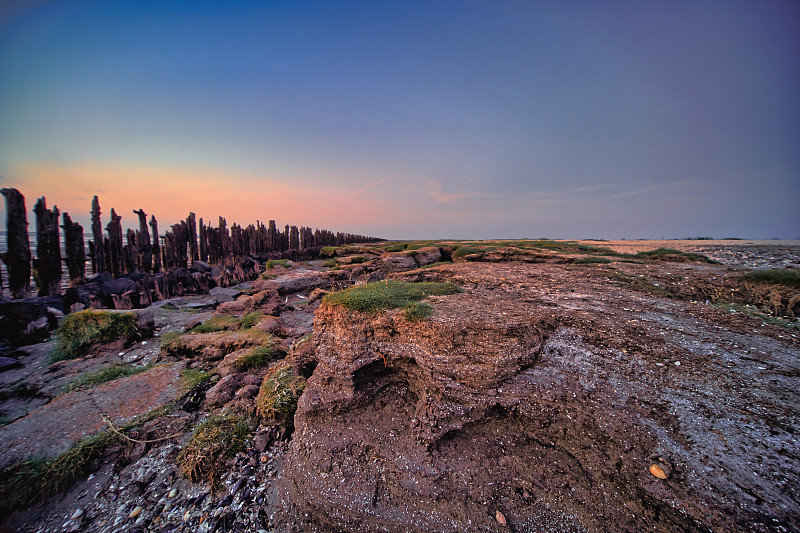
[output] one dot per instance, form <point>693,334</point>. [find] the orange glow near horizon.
<point>170,193</point>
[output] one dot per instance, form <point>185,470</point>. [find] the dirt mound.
<point>558,397</point>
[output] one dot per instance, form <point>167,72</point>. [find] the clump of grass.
<point>397,247</point>
<point>267,275</point>
<point>755,313</point>
<point>81,330</point>
<point>216,323</point>
<point>107,373</point>
<point>662,253</point>
<point>36,478</point>
<point>436,264</point>
<point>212,444</point>
<point>251,319</point>
<point>328,251</point>
<point>171,342</point>
<point>259,357</point>
<point>279,262</point>
<point>192,377</point>
<point>417,311</point>
<point>331,263</point>
<point>592,259</point>
<point>277,399</point>
<point>388,294</point>
<point>790,277</point>
<point>358,259</point>
<point>463,251</point>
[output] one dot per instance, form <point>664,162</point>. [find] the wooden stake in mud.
<point>114,229</point>
<point>18,255</point>
<point>156,247</point>
<point>99,259</point>
<point>143,242</point>
<point>48,249</point>
<point>75,250</point>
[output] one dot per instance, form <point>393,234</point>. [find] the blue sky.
<point>412,119</point>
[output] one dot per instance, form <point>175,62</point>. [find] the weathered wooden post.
<point>114,229</point>
<point>191,226</point>
<point>143,242</point>
<point>203,235</point>
<point>75,250</point>
<point>99,259</point>
<point>48,252</point>
<point>156,247</point>
<point>18,254</point>
<point>131,252</point>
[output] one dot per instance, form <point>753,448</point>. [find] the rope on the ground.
<point>121,434</point>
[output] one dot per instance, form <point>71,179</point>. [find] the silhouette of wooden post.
<point>75,250</point>
<point>48,250</point>
<point>143,242</point>
<point>114,229</point>
<point>156,247</point>
<point>191,226</point>
<point>131,252</point>
<point>18,254</point>
<point>99,257</point>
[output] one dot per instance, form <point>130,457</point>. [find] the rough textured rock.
<point>398,262</point>
<point>547,395</point>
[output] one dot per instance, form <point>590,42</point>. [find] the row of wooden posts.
<point>143,249</point>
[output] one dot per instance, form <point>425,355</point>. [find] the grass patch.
<point>358,259</point>
<point>268,275</point>
<point>171,341</point>
<point>28,481</point>
<point>331,263</point>
<point>251,319</point>
<point>277,399</point>
<point>79,331</point>
<point>755,313</point>
<point>417,311</point>
<point>213,443</point>
<point>397,247</point>
<point>389,294</point>
<point>279,262</point>
<point>259,357</point>
<point>592,259</point>
<point>783,276</point>
<point>328,251</point>
<point>664,253</point>
<point>216,323</point>
<point>107,373</point>
<point>192,377</point>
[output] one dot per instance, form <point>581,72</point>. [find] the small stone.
<point>172,493</point>
<point>657,471</point>
<point>77,514</point>
<point>501,519</point>
<point>136,511</point>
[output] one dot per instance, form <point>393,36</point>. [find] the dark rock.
<point>201,266</point>
<point>223,294</point>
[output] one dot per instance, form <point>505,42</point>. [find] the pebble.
<point>501,519</point>
<point>136,511</point>
<point>77,514</point>
<point>657,471</point>
<point>172,493</point>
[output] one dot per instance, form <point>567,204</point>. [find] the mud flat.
<point>560,390</point>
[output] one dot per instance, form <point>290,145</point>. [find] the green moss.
<point>591,259</point>
<point>171,342</point>
<point>216,323</point>
<point>755,313</point>
<point>358,259</point>
<point>417,311</point>
<point>277,398</point>
<point>213,443</point>
<point>785,276</point>
<point>259,357</point>
<point>251,319</point>
<point>107,373</point>
<point>279,262</point>
<point>463,251</point>
<point>328,251</point>
<point>81,330</point>
<point>388,294</point>
<point>331,263</point>
<point>397,247</point>
<point>661,253</point>
<point>192,377</point>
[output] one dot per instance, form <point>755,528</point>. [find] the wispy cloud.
<point>367,187</point>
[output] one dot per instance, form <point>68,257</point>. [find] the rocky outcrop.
<point>535,407</point>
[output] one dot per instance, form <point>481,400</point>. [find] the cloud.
<point>366,188</point>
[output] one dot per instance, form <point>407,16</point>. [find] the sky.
<point>410,119</point>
